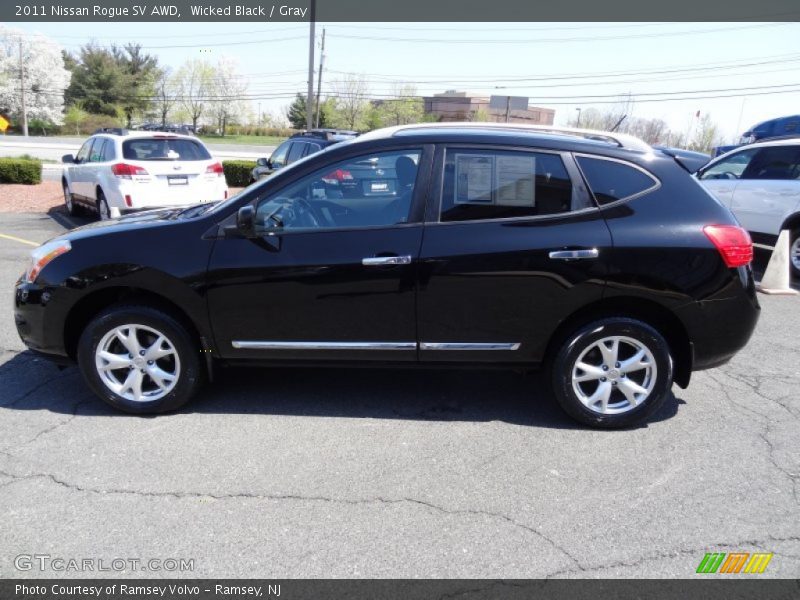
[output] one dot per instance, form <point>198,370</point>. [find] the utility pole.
<point>319,77</point>
<point>310,99</point>
<point>508,107</point>
<point>22,92</point>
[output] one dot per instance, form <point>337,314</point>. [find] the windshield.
<point>164,149</point>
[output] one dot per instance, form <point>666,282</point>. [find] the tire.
<point>178,357</point>
<point>103,214</point>
<point>73,210</point>
<point>579,392</point>
<point>794,253</point>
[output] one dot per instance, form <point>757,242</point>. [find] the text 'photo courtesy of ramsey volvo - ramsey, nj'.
<point>587,254</point>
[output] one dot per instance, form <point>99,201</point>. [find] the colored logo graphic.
<point>734,562</point>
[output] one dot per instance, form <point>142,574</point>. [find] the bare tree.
<point>706,135</point>
<point>228,92</point>
<point>351,100</point>
<point>195,83</point>
<point>166,96</point>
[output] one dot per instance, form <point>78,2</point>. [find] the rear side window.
<point>498,184</point>
<point>96,155</point>
<point>611,181</point>
<point>163,149</point>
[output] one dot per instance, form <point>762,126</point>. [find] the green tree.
<point>296,112</point>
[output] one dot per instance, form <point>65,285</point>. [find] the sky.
<point>564,66</point>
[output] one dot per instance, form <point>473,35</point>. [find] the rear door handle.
<point>574,254</point>
<point>379,261</point>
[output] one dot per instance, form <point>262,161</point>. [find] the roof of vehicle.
<point>331,135</point>
<point>619,140</point>
<point>130,135</point>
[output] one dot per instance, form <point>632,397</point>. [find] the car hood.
<point>164,217</point>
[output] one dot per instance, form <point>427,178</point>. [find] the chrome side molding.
<point>468,346</point>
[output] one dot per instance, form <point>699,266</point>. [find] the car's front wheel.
<point>140,359</point>
<point>613,372</point>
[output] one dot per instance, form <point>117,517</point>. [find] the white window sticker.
<point>515,181</point>
<point>474,178</point>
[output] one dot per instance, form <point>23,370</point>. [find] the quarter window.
<point>611,180</point>
<point>368,191</point>
<point>499,184</point>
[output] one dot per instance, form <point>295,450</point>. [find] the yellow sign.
<point>3,124</point>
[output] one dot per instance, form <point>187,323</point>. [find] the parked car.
<point>781,127</point>
<point>760,183</point>
<point>132,171</point>
<point>598,260</point>
<point>296,147</point>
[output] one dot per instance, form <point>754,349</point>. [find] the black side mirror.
<point>246,221</point>
<point>68,159</point>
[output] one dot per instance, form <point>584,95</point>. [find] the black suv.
<point>594,257</point>
<point>298,146</point>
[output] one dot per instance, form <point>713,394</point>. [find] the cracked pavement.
<point>313,473</point>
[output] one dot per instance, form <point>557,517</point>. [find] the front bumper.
<point>40,320</point>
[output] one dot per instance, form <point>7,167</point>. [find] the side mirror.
<point>68,159</point>
<point>246,221</point>
<point>262,162</point>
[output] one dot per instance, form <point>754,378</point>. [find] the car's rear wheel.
<point>103,212</point>
<point>613,372</point>
<point>794,252</point>
<point>140,359</point>
<point>69,201</point>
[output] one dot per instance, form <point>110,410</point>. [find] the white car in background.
<point>760,183</point>
<point>133,171</point>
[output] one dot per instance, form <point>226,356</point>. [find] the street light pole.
<point>579,117</point>
<point>310,99</point>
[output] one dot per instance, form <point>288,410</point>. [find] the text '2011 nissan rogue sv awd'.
<point>588,254</point>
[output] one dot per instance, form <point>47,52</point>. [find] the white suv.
<point>760,183</point>
<point>140,170</point>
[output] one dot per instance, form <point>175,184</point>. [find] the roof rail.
<point>111,130</point>
<point>621,140</point>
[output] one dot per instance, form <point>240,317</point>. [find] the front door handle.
<point>381,261</point>
<point>574,254</point>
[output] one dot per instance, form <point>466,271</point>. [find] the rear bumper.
<point>720,325</point>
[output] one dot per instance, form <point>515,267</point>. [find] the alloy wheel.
<point>137,363</point>
<point>614,375</point>
<point>794,253</point>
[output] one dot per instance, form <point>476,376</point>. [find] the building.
<point>453,105</point>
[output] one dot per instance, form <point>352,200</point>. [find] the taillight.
<point>127,171</point>
<point>215,169</point>
<point>733,243</point>
<point>338,176</point>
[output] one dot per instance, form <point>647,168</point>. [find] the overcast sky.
<point>566,65</point>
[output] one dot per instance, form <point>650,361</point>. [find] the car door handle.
<point>379,261</point>
<point>574,254</point>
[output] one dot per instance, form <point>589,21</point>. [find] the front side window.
<point>163,149</point>
<point>499,184</point>
<point>369,191</point>
<point>83,153</point>
<point>776,162</point>
<point>731,167</point>
<point>278,158</point>
<point>295,152</point>
<point>610,180</point>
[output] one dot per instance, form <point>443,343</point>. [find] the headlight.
<point>42,255</point>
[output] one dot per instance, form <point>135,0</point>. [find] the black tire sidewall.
<point>792,269</point>
<point>575,344</point>
<point>191,372</point>
<point>101,199</point>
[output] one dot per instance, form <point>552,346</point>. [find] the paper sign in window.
<point>474,178</point>
<point>515,181</point>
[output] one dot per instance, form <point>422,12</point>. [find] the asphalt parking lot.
<point>316,473</point>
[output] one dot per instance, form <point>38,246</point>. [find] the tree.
<point>165,95</point>
<point>195,83</point>
<point>406,107</point>
<point>45,76</point>
<point>110,80</point>
<point>228,90</point>
<point>296,112</point>
<point>351,101</point>
<point>706,135</point>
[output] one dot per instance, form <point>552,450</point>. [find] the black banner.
<point>468,589</point>
<point>366,11</point>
